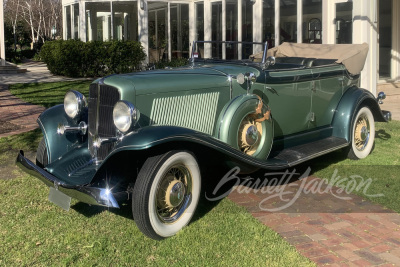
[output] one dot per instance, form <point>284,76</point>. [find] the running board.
<point>298,154</point>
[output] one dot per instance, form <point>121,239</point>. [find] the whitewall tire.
<point>166,193</point>
<point>362,134</point>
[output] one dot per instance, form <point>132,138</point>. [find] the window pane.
<point>269,22</point>
<point>344,25</point>
<point>312,25</point>
<point>288,11</point>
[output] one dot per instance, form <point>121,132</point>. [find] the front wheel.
<point>363,134</point>
<point>166,193</point>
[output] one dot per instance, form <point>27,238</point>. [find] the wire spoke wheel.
<point>173,193</point>
<point>363,134</point>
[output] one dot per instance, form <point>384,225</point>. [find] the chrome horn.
<point>380,97</point>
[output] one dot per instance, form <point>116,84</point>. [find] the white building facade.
<point>167,28</point>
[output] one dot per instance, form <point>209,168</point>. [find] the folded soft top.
<point>352,56</point>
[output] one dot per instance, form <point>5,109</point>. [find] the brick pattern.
<point>18,112</point>
<point>365,234</point>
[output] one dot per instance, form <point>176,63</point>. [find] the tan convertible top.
<point>352,56</point>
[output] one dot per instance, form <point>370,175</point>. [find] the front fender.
<point>58,145</point>
<point>153,136</point>
<point>350,103</point>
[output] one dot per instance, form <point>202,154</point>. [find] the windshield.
<point>229,50</point>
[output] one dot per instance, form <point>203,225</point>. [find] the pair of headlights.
<point>125,115</point>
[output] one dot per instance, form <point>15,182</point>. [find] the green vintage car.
<point>142,136</point>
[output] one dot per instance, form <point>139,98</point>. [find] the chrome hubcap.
<point>249,135</point>
<point>175,193</point>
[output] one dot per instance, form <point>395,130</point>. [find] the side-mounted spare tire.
<point>246,124</point>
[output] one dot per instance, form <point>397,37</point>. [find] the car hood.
<point>176,79</point>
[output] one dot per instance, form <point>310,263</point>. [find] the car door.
<point>327,90</point>
<point>288,94</point>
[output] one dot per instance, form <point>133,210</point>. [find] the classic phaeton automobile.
<point>141,136</point>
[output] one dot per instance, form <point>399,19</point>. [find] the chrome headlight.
<point>125,115</point>
<point>74,103</point>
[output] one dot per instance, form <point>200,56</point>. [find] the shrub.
<point>75,58</point>
<point>175,62</point>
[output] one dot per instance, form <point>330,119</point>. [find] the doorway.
<point>385,38</point>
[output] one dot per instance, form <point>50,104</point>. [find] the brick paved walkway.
<point>15,111</point>
<point>325,227</point>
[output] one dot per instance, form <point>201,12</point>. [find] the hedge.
<point>74,58</point>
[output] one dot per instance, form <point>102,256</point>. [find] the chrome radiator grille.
<point>196,112</point>
<point>102,99</point>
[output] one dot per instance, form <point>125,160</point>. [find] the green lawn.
<point>48,94</point>
<point>382,166</point>
<point>33,231</point>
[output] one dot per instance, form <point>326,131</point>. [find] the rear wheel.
<point>363,134</point>
<point>166,194</point>
<point>41,154</point>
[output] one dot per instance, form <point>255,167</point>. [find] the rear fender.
<point>352,100</point>
<point>57,145</point>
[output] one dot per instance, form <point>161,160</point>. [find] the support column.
<point>2,41</point>
<point>143,28</point>
<point>277,22</point>
<point>64,20</point>
<point>89,25</point>
<point>169,32</point>
<point>223,18</point>
<point>240,27</point>
<point>126,26</point>
<point>82,21</point>
<point>106,33</point>
<point>395,53</point>
<point>328,22</point>
<point>207,28</point>
<point>299,21</point>
<point>365,30</point>
<point>72,12</point>
<point>257,25</point>
<point>112,21</point>
<point>192,25</point>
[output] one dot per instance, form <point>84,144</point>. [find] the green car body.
<point>303,111</point>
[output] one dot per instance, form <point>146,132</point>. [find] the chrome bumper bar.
<point>89,195</point>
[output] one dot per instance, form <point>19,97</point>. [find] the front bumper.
<point>87,194</point>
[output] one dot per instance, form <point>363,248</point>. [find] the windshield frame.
<point>264,57</point>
